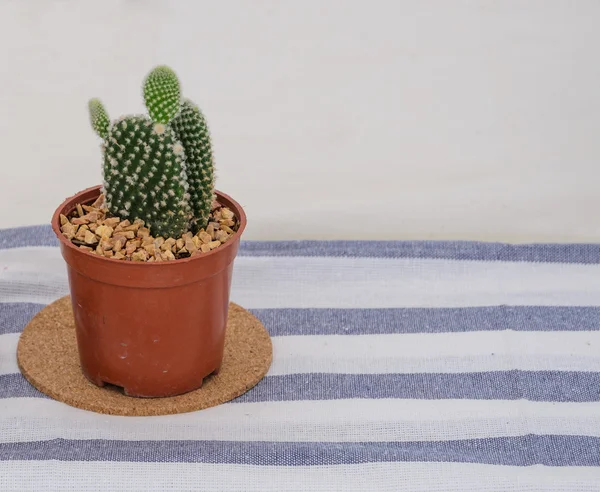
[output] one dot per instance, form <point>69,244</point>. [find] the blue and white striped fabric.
<point>413,366</point>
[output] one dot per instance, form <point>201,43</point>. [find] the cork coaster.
<point>48,358</point>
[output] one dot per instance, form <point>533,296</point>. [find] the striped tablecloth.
<point>412,366</point>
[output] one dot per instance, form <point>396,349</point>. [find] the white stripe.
<point>437,352</point>
<point>33,274</point>
<point>57,476</point>
<point>360,420</point>
<point>8,353</point>
<point>38,275</point>
<point>415,353</point>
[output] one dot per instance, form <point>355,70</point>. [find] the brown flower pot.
<point>154,329</point>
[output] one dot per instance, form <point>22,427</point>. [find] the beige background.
<point>330,118</point>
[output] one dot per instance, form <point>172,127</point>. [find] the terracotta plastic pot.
<point>154,329</point>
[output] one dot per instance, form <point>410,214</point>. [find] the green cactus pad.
<point>162,94</point>
<point>145,176</point>
<point>192,131</point>
<point>99,118</point>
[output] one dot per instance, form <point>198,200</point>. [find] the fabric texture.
<point>413,366</point>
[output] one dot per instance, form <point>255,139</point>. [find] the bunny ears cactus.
<point>158,168</point>
<point>162,94</point>
<point>99,118</point>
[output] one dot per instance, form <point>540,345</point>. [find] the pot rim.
<point>72,200</point>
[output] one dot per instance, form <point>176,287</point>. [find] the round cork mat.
<point>48,358</point>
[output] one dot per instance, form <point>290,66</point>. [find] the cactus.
<point>191,128</point>
<point>144,175</point>
<point>162,94</point>
<point>159,168</point>
<point>99,118</point>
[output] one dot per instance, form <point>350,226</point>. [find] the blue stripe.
<point>452,250</point>
<point>448,250</point>
<point>559,386</point>
<point>16,386</point>
<point>283,322</point>
<point>17,237</point>
<point>14,316</point>
<point>499,385</point>
<point>549,450</point>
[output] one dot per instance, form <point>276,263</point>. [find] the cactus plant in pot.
<point>150,252</point>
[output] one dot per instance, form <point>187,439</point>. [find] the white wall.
<point>330,118</point>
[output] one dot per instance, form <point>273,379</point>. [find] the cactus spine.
<point>159,168</point>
